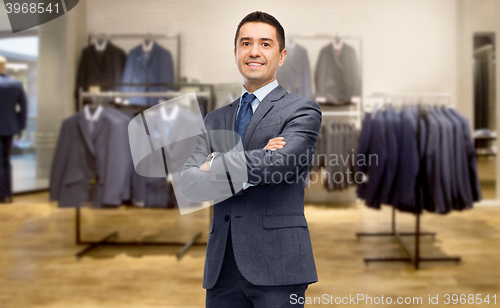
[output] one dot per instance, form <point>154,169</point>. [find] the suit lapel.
<point>151,55</point>
<point>97,127</point>
<point>230,122</point>
<point>84,130</point>
<point>263,108</point>
<point>336,59</point>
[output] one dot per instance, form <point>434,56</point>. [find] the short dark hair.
<point>259,16</point>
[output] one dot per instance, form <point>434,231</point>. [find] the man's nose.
<point>255,51</point>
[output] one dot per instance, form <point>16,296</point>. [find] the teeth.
<point>254,64</point>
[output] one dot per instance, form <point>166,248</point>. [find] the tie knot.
<point>248,98</point>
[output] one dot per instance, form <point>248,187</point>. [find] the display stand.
<point>109,240</point>
<point>416,257</point>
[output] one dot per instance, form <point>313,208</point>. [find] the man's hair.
<point>259,16</point>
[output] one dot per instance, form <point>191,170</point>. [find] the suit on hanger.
<point>392,129</point>
<point>295,74</point>
<point>376,169</point>
<point>409,164</point>
<point>434,192</point>
<point>82,157</point>
<point>337,77</point>
<point>153,67</point>
<point>471,157</point>
<point>362,154</point>
<point>99,67</point>
<point>269,232</point>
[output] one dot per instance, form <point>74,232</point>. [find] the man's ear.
<point>235,58</point>
<point>282,57</point>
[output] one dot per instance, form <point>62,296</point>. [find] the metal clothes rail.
<point>416,257</point>
<point>109,240</point>
<point>143,36</point>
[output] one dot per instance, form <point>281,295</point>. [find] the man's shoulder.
<point>220,112</point>
<point>292,99</point>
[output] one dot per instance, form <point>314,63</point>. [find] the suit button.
<point>226,218</point>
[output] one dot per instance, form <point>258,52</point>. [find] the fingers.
<point>275,143</point>
<point>205,167</point>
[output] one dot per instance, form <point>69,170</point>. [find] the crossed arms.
<point>273,164</point>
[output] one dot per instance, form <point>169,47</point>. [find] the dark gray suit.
<point>81,156</point>
<point>295,74</point>
<point>337,78</point>
<point>269,231</point>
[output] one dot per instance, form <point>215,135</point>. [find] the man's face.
<point>257,53</point>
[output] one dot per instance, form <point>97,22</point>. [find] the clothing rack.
<point>330,37</point>
<point>143,36</point>
<point>208,92</point>
<point>109,239</point>
<point>416,257</point>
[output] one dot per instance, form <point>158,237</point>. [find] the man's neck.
<point>252,87</point>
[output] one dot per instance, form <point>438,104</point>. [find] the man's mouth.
<point>255,64</point>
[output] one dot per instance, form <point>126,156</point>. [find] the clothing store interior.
<point>410,82</point>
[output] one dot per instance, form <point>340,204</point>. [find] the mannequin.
<point>12,123</point>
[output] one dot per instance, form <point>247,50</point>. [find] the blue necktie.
<point>245,114</point>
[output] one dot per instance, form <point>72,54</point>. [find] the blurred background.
<point>382,53</point>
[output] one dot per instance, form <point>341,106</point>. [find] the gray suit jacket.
<point>270,236</point>
<point>80,156</point>
<point>337,78</point>
<point>295,74</point>
<point>11,94</point>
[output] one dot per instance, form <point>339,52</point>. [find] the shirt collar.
<point>262,92</point>
<point>94,116</point>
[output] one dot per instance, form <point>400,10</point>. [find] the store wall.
<point>409,45</point>
<point>61,41</point>
<point>4,20</point>
<point>474,16</point>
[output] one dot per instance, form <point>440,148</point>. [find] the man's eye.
<point>266,44</point>
<point>246,44</point>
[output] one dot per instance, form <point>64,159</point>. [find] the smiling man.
<point>259,250</point>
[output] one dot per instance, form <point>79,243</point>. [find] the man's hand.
<point>205,167</point>
<point>19,136</point>
<point>275,143</point>
<point>272,144</point>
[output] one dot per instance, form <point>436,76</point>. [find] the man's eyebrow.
<point>261,39</point>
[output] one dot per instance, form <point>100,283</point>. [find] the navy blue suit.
<point>11,123</point>
<point>470,156</point>
<point>392,131</point>
<point>11,94</point>
<point>409,166</point>
<point>362,153</point>
<point>155,67</point>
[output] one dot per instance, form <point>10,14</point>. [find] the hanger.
<point>337,42</point>
<point>100,41</point>
<point>148,42</point>
<point>174,111</point>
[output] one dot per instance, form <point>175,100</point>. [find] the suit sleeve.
<point>196,184</point>
<point>23,107</point>
<point>81,75</point>
<point>59,162</point>
<point>272,167</point>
